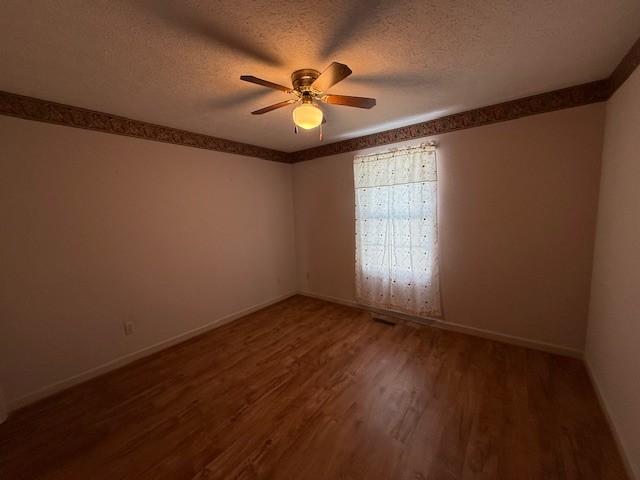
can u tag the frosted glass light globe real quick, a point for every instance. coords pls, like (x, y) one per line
(307, 116)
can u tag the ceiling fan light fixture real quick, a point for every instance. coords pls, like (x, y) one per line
(307, 116)
(309, 87)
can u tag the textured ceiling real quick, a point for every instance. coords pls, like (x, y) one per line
(178, 63)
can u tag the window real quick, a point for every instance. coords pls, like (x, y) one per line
(396, 231)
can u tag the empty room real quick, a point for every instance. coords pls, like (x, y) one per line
(352, 239)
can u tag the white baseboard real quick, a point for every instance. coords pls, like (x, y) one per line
(56, 387)
(477, 332)
(124, 360)
(524, 342)
(607, 413)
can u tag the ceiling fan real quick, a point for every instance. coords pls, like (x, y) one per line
(309, 89)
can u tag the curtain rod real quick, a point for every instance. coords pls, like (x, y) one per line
(430, 143)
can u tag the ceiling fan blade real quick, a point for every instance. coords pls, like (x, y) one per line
(274, 106)
(360, 102)
(334, 73)
(265, 83)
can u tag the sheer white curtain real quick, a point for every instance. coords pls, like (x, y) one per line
(397, 232)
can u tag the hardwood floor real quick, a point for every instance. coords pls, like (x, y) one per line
(307, 389)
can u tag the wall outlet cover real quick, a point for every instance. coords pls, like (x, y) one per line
(128, 328)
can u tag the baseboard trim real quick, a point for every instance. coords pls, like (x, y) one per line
(612, 426)
(69, 382)
(456, 327)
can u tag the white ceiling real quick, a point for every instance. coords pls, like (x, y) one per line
(178, 63)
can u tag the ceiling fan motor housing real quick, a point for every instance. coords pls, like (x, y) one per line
(302, 79)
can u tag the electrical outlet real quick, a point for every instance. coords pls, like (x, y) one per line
(128, 328)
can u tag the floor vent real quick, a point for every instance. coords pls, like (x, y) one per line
(384, 319)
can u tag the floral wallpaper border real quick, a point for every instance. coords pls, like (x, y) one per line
(625, 68)
(45, 111)
(545, 102)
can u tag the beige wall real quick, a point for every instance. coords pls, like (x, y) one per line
(99, 229)
(517, 207)
(613, 340)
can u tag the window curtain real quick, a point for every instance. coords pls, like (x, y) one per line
(397, 231)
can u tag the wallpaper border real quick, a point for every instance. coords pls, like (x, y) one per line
(625, 68)
(545, 102)
(31, 108)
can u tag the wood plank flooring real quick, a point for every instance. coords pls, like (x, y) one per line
(307, 389)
